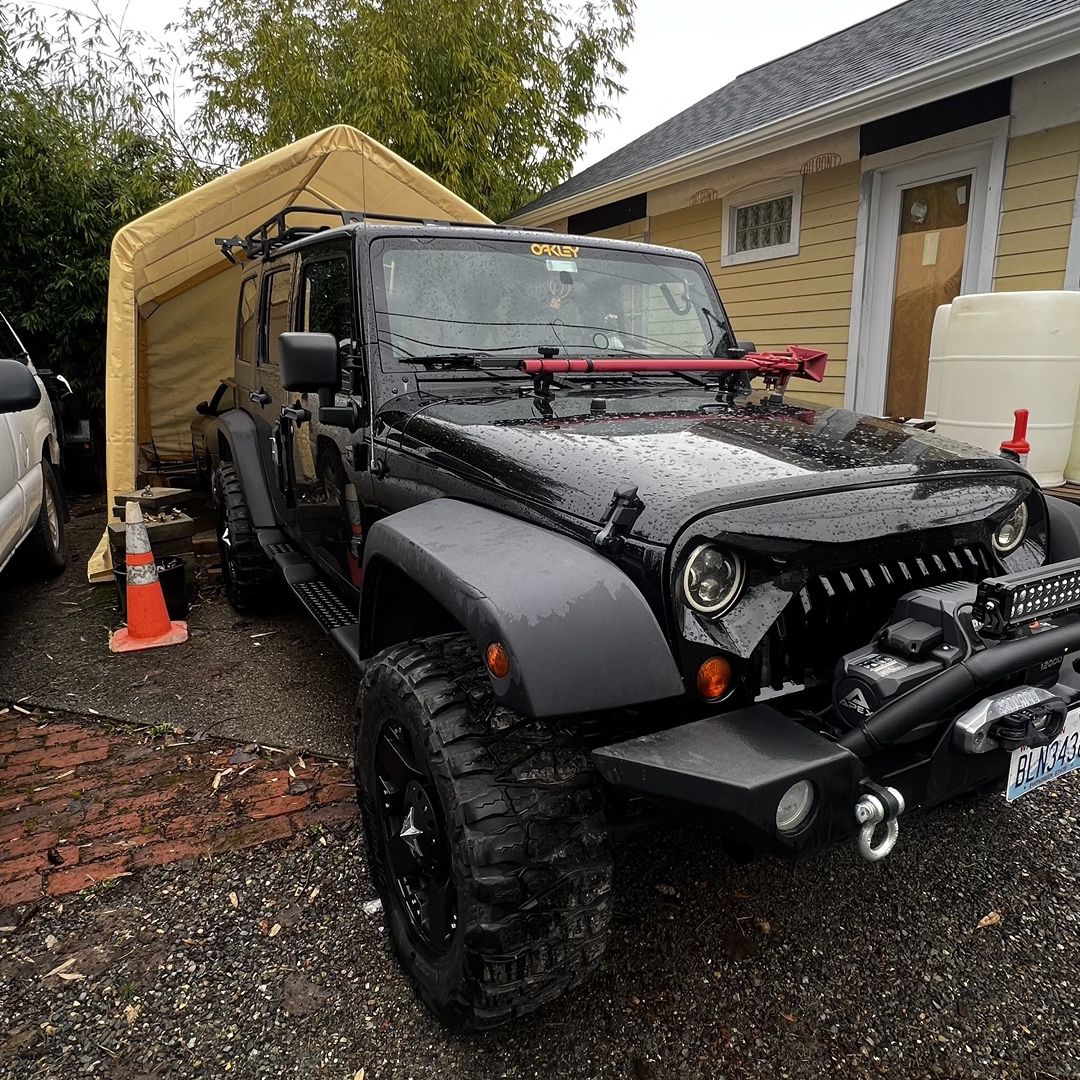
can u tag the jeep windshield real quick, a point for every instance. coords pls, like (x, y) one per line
(444, 301)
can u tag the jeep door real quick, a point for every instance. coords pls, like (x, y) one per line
(327, 510)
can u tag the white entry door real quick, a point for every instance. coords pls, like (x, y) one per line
(924, 248)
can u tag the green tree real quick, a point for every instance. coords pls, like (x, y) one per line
(87, 143)
(493, 98)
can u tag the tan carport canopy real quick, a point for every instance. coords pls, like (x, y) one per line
(173, 295)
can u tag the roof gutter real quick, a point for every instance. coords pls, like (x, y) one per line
(1034, 46)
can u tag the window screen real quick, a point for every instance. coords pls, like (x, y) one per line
(764, 224)
(245, 331)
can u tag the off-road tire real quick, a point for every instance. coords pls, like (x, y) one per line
(529, 844)
(46, 546)
(251, 584)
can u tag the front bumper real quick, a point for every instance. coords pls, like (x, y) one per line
(733, 769)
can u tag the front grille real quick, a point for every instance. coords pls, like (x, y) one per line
(841, 609)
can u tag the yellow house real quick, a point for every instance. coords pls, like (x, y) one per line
(841, 193)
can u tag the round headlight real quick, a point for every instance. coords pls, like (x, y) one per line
(1011, 532)
(795, 806)
(712, 580)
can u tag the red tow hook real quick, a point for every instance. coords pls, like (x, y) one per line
(1018, 447)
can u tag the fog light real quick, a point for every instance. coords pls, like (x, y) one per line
(714, 678)
(795, 806)
(497, 660)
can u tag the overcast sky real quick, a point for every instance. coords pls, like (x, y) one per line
(682, 49)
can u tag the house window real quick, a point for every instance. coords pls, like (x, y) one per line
(762, 223)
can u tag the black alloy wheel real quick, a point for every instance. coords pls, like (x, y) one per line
(417, 847)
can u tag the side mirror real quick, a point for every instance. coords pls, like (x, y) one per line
(309, 362)
(19, 389)
(747, 346)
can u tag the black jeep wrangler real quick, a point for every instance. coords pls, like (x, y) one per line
(582, 568)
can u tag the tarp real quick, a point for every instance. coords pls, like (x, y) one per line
(173, 295)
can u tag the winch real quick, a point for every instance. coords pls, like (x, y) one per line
(975, 628)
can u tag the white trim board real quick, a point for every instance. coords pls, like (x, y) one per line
(1072, 261)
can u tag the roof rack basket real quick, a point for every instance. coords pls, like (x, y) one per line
(272, 234)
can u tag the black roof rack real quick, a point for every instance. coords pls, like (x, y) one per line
(273, 233)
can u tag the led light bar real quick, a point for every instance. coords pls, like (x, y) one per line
(1014, 600)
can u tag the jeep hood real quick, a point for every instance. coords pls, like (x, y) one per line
(686, 454)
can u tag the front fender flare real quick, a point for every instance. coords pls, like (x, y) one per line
(240, 433)
(580, 635)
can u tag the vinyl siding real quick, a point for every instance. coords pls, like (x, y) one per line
(1037, 209)
(803, 299)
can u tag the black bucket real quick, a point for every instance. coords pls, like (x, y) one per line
(173, 586)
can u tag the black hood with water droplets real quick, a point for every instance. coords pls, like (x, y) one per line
(688, 455)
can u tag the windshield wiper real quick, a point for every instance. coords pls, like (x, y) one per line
(725, 336)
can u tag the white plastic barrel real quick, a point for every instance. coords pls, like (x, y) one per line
(933, 372)
(1072, 466)
(1007, 351)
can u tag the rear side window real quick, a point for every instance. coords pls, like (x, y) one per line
(245, 322)
(277, 288)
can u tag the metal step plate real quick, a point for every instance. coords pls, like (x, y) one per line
(328, 609)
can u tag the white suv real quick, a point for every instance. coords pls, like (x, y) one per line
(31, 502)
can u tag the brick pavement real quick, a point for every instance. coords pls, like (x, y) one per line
(82, 802)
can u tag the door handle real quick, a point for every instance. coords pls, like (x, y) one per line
(259, 397)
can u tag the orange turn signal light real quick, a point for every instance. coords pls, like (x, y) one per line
(714, 678)
(497, 660)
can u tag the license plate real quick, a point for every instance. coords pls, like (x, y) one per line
(1032, 767)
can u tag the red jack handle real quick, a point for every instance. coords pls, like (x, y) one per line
(1018, 445)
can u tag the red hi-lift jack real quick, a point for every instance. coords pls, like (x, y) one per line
(775, 367)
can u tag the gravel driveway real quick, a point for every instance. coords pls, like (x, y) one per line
(715, 970)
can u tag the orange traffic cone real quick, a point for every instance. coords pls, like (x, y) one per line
(148, 622)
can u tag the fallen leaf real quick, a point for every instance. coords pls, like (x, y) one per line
(8, 929)
(314, 893)
(234, 900)
(300, 762)
(372, 907)
(131, 1013)
(788, 1018)
(359, 1074)
(51, 941)
(990, 920)
(70, 976)
(60, 967)
(292, 772)
(275, 929)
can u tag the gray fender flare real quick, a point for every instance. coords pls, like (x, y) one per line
(241, 434)
(580, 635)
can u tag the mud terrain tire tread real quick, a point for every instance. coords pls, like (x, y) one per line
(530, 844)
(249, 576)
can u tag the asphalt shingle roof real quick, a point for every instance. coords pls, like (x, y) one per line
(911, 35)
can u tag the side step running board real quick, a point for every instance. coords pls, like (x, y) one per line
(337, 620)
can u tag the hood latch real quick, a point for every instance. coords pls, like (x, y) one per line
(625, 508)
